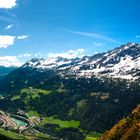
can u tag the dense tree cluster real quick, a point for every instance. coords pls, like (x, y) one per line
(98, 103)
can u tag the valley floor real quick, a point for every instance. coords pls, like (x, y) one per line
(22, 127)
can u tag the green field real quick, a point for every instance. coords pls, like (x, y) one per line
(62, 124)
(16, 136)
(13, 135)
(32, 113)
(35, 92)
(93, 136)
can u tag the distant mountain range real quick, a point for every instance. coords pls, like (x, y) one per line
(122, 62)
(6, 70)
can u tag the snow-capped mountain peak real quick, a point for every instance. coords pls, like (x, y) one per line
(49, 63)
(121, 62)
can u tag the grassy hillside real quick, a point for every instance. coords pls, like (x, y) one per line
(126, 129)
(94, 104)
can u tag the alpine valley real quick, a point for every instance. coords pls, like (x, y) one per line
(73, 99)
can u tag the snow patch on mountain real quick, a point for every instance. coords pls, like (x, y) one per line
(122, 62)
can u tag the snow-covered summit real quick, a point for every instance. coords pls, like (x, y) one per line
(49, 63)
(121, 62)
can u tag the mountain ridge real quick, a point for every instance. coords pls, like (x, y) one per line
(122, 62)
(5, 70)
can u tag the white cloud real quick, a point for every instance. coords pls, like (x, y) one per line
(137, 36)
(96, 52)
(9, 61)
(22, 37)
(6, 41)
(69, 54)
(39, 54)
(9, 26)
(25, 55)
(7, 4)
(97, 44)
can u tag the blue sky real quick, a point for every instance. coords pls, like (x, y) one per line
(69, 28)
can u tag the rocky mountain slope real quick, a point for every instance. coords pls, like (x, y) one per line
(122, 62)
(126, 129)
